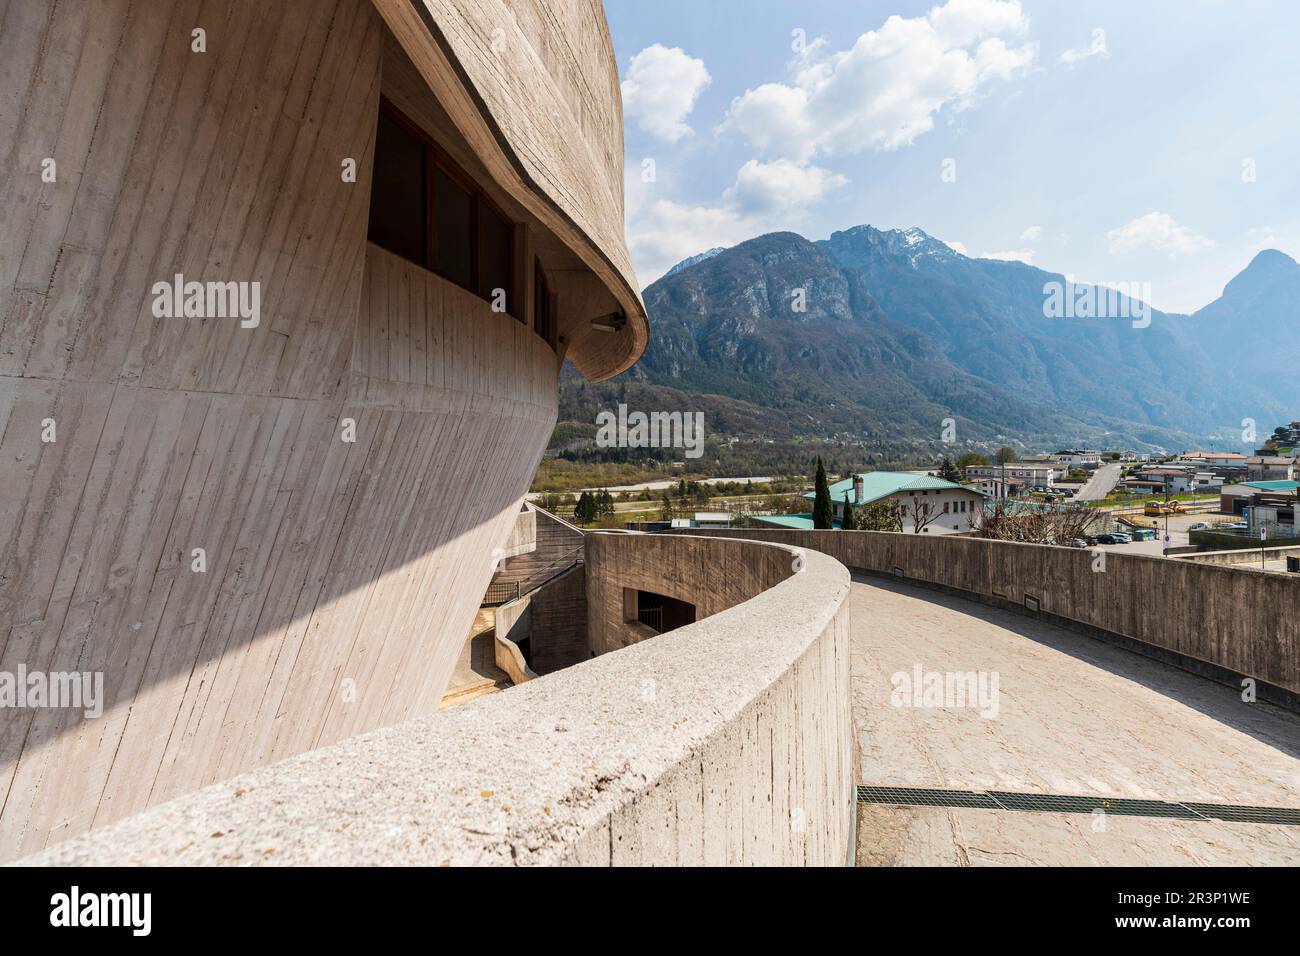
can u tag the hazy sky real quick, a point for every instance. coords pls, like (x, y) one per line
(1154, 141)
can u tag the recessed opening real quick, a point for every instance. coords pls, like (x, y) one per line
(397, 199)
(659, 612)
(426, 208)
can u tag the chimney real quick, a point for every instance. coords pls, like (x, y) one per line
(857, 489)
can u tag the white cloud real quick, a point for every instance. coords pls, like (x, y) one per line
(1013, 255)
(1032, 234)
(660, 89)
(780, 186)
(765, 197)
(665, 232)
(1097, 47)
(886, 89)
(1157, 231)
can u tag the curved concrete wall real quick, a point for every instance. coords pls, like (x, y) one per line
(346, 467)
(533, 86)
(729, 741)
(712, 579)
(1241, 621)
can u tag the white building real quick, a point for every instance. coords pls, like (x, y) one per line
(940, 506)
(998, 487)
(1059, 470)
(1079, 458)
(1211, 459)
(1035, 476)
(712, 519)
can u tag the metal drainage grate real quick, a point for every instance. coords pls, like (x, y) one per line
(916, 797)
(1062, 803)
(1056, 803)
(1231, 813)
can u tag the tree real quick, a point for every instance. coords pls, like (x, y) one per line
(948, 471)
(1006, 454)
(822, 514)
(666, 508)
(584, 512)
(880, 516)
(849, 522)
(971, 458)
(1062, 524)
(922, 511)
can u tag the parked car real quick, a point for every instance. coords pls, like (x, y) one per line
(1199, 526)
(1234, 526)
(1113, 538)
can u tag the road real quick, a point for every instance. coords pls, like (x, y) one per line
(1073, 717)
(660, 485)
(1100, 484)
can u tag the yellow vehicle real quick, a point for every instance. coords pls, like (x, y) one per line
(1155, 509)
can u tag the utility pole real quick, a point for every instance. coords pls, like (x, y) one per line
(1165, 549)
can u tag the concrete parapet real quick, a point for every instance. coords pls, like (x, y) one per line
(1216, 620)
(728, 741)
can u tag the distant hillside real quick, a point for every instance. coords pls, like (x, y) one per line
(1251, 334)
(987, 316)
(898, 332)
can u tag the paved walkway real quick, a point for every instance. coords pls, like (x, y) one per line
(476, 672)
(1074, 716)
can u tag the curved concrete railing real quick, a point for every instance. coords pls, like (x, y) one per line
(1221, 621)
(726, 741)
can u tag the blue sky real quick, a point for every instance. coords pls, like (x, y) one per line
(1115, 141)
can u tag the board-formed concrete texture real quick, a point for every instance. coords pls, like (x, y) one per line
(270, 538)
(728, 741)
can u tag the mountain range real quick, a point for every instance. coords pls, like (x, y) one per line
(880, 337)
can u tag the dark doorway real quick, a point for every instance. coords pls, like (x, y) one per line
(662, 613)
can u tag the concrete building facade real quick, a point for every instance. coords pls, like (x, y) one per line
(266, 417)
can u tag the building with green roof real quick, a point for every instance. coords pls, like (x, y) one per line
(940, 505)
(1273, 487)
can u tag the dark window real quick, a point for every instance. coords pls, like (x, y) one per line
(543, 320)
(398, 203)
(453, 234)
(497, 242)
(424, 208)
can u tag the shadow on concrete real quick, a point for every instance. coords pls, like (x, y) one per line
(1274, 726)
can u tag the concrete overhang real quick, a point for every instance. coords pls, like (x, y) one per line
(565, 170)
